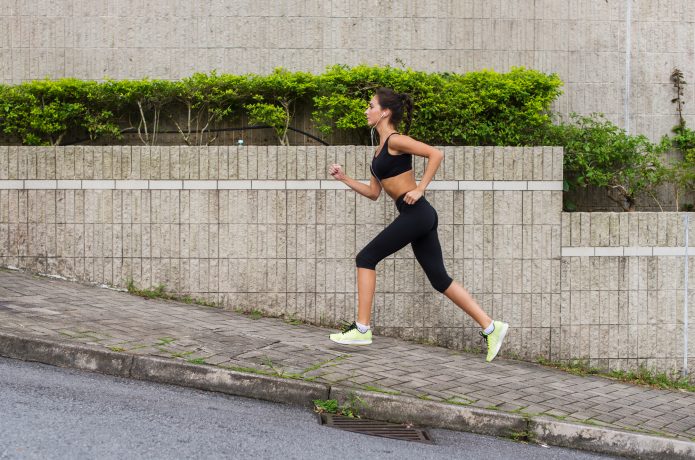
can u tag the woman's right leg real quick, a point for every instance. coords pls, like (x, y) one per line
(366, 285)
(403, 230)
(394, 237)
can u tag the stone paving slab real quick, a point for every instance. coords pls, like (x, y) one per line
(77, 313)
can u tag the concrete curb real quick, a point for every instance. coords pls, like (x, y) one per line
(394, 408)
(161, 370)
(403, 409)
(608, 440)
(269, 388)
(61, 354)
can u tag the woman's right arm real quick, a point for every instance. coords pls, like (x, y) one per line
(371, 191)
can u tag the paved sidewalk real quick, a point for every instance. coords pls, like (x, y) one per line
(65, 311)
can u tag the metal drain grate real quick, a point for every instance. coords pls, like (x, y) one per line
(376, 428)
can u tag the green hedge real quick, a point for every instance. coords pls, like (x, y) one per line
(477, 108)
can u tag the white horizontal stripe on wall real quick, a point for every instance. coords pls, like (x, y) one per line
(314, 184)
(625, 251)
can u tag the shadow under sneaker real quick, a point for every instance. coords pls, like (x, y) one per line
(350, 335)
(494, 339)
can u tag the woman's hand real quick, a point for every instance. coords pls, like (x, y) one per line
(336, 171)
(413, 195)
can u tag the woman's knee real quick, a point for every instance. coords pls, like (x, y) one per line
(364, 260)
(441, 282)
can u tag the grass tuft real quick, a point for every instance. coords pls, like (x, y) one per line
(642, 376)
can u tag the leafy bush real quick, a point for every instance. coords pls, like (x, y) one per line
(599, 153)
(44, 112)
(681, 174)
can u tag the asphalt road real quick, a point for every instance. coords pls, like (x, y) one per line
(48, 412)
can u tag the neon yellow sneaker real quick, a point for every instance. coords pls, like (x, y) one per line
(350, 335)
(494, 339)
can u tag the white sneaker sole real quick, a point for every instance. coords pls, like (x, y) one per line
(505, 327)
(352, 342)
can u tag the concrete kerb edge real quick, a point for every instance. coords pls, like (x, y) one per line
(60, 354)
(407, 409)
(608, 441)
(161, 370)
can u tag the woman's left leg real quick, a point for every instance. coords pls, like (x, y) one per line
(428, 253)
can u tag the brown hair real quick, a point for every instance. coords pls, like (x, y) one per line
(400, 104)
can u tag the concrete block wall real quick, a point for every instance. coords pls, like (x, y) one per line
(268, 228)
(623, 290)
(614, 56)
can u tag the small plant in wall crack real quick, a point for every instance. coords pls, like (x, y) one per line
(681, 173)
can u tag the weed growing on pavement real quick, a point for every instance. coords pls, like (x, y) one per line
(523, 413)
(117, 349)
(354, 405)
(594, 422)
(380, 390)
(181, 354)
(558, 417)
(642, 376)
(319, 365)
(458, 400)
(197, 361)
(160, 292)
(292, 320)
(253, 313)
(522, 436)
(660, 380)
(575, 367)
(326, 406)
(513, 355)
(350, 408)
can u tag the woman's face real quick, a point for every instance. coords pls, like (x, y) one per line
(374, 112)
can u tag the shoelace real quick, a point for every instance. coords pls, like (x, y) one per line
(346, 327)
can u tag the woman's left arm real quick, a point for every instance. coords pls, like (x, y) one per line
(434, 158)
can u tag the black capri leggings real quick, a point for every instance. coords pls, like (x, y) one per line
(415, 224)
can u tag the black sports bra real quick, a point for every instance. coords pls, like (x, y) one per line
(386, 165)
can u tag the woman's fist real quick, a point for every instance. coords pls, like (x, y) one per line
(336, 171)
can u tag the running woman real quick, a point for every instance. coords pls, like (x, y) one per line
(392, 170)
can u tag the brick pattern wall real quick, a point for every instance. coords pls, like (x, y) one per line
(623, 279)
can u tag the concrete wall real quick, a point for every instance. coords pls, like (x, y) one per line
(267, 228)
(615, 56)
(623, 289)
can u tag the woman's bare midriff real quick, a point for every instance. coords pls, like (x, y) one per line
(398, 185)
